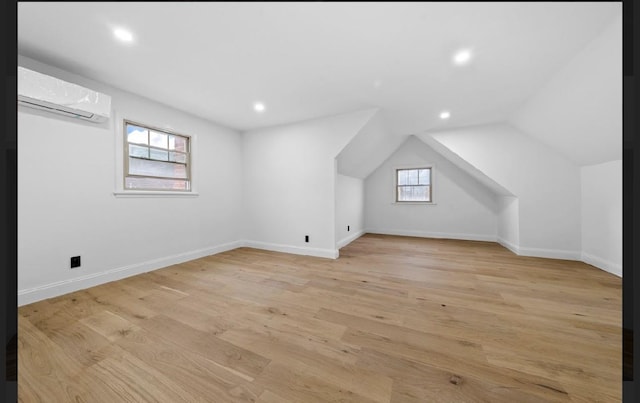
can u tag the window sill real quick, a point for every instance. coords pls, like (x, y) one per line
(141, 193)
(414, 202)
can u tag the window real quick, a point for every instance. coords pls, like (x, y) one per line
(413, 185)
(156, 159)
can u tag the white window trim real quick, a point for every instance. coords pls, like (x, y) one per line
(152, 193)
(394, 180)
(121, 192)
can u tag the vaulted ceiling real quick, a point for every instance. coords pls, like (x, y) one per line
(307, 60)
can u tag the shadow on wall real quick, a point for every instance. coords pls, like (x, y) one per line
(471, 186)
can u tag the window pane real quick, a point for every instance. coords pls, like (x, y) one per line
(419, 193)
(178, 157)
(158, 139)
(137, 134)
(159, 155)
(413, 176)
(154, 183)
(402, 193)
(178, 143)
(403, 177)
(157, 160)
(138, 151)
(424, 177)
(157, 168)
(414, 193)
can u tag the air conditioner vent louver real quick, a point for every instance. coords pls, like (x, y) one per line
(40, 91)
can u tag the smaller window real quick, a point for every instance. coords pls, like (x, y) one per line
(413, 185)
(156, 159)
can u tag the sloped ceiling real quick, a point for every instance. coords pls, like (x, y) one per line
(309, 60)
(368, 149)
(463, 164)
(577, 114)
(579, 111)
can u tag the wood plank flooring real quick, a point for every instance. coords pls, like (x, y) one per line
(394, 319)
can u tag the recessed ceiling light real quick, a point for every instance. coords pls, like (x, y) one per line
(123, 35)
(462, 57)
(445, 115)
(258, 107)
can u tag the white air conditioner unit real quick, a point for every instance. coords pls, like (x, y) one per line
(47, 93)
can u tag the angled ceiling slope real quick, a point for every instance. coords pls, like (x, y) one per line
(369, 148)
(463, 164)
(579, 111)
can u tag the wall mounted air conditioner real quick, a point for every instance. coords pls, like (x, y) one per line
(40, 91)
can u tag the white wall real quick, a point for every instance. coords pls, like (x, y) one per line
(349, 209)
(289, 182)
(579, 110)
(463, 207)
(546, 184)
(66, 176)
(602, 216)
(509, 222)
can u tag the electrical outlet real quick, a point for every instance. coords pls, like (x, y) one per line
(75, 261)
(306, 238)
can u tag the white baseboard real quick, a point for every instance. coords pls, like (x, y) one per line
(29, 295)
(608, 266)
(511, 246)
(296, 250)
(550, 253)
(424, 234)
(346, 241)
(34, 294)
(538, 252)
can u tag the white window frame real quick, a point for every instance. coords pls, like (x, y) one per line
(394, 184)
(120, 146)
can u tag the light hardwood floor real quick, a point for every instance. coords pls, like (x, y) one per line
(394, 319)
